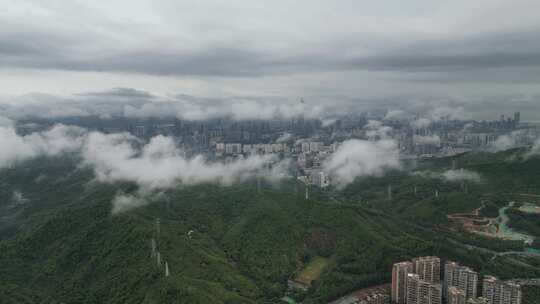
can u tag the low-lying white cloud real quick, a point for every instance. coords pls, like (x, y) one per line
(514, 139)
(189, 108)
(535, 149)
(132, 103)
(427, 140)
(421, 123)
(447, 113)
(451, 175)
(327, 122)
(18, 198)
(55, 141)
(439, 114)
(356, 158)
(376, 130)
(122, 157)
(160, 164)
(461, 175)
(285, 137)
(502, 143)
(397, 115)
(124, 202)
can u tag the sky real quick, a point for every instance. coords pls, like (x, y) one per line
(208, 57)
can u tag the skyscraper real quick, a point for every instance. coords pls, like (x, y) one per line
(462, 277)
(428, 268)
(422, 292)
(455, 296)
(500, 292)
(399, 281)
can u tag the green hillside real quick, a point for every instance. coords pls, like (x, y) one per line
(61, 244)
(504, 176)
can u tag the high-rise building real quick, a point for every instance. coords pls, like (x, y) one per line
(422, 292)
(462, 277)
(400, 271)
(500, 292)
(477, 301)
(455, 296)
(413, 286)
(319, 179)
(434, 294)
(428, 268)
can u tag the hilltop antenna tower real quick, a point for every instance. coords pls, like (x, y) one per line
(307, 191)
(153, 246)
(295, 182)
(158, 260)
(167, 269)
(158, 229)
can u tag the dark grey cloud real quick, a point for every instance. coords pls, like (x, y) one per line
(119, 92)
(451, 62)
(466, 52)
(209, 62)
(242, 62)
(355, 53)
(509, 49)
(29, 45)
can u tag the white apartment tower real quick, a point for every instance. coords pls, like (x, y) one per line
(500, 292)
(400, 271)
(422, 292)
(462, 277)
(428, 268)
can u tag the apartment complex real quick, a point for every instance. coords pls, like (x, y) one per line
(461, 277)
(400, 271)
(419, 282)
(501, 292)
(428, 268)
(422, 292)
(480, 300)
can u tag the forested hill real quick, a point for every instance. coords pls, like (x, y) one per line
(60, 242)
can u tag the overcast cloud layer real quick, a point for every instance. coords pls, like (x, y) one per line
(473, 53)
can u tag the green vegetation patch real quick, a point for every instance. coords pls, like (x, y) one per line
(526, 222)
(313, 270)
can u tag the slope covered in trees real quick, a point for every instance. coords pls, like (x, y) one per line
(60, 242)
